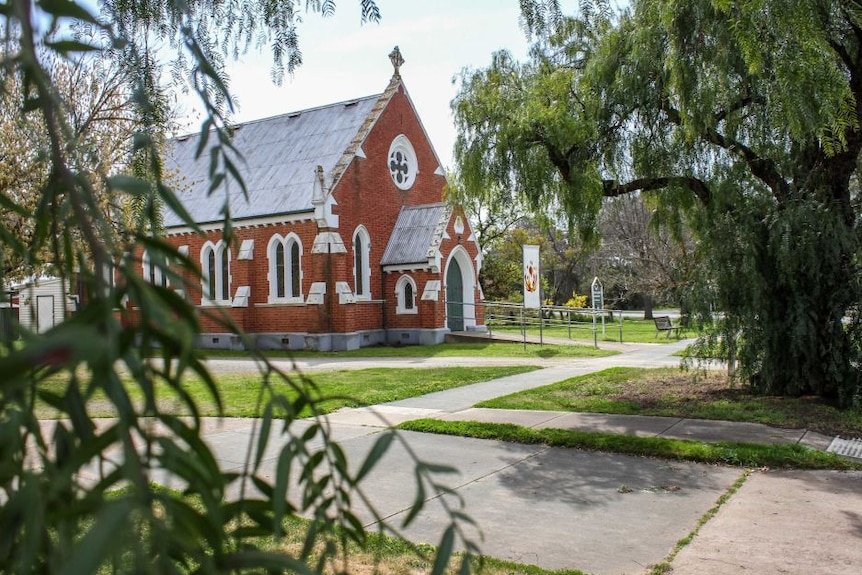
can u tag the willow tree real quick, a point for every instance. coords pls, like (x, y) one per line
(82, 497)
(741, 116)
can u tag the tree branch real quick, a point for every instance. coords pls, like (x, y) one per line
(762, 168)
(613, 189)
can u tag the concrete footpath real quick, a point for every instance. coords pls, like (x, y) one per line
(599, 513)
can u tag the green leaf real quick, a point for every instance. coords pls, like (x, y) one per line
(418, 500)
(256, 559)
(280, 505)
(444, 551)
(67, 9)
(263, 435)
(66, 46)
(99, 541)
(377, 451)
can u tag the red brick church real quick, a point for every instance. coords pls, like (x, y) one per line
(344, 241)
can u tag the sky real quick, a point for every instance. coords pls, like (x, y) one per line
(343, 60)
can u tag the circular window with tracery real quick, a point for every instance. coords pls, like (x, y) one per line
(402, 162)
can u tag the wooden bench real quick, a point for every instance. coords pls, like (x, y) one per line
(664, 323)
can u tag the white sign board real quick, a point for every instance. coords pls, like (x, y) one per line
(598, 294)
(532, 291)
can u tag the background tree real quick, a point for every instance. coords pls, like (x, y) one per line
(645, 259)
(114, 518)
(95, 94)
(744, 114)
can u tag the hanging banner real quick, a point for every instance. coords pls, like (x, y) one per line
(532, 291)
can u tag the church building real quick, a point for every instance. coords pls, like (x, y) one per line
(344, 239)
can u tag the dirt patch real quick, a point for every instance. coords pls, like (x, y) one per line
(712, 396)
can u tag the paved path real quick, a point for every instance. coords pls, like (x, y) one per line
(600, 513)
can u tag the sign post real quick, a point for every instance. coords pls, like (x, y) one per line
(598, 293)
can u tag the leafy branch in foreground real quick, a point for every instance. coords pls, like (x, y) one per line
(80, 495)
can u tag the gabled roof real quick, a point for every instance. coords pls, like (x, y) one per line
(417, 235)
(280, 158)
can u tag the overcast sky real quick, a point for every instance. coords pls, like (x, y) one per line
(343, 60)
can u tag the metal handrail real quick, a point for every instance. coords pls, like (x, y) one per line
(502, 314)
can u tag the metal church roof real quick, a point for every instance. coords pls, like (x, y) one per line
(279, 160)
(417, 234)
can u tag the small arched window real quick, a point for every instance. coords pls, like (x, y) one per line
(405, 295)
(361, 263)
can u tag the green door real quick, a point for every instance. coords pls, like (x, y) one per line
(454, 297)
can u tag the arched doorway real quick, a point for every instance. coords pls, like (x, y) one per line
(460, 291)
(454, 297)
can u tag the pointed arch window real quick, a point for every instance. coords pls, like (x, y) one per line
(361, 263)
(215, 269)
(285, 269)
(405, 296)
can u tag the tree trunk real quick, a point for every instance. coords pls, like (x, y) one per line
(647, 306)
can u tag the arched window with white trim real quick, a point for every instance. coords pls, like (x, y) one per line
(215, 272)
(405, 296)
(285, 268)
(153, 273)
(361, 263)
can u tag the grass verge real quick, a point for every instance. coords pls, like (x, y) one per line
(676, 393)
(483, 349)
(337, 389)
(789, 456)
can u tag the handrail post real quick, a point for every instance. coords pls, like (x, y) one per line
(621, 326)
(541, 325)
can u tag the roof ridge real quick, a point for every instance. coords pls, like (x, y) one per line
(286, 114)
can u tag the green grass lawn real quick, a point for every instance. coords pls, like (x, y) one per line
(723, 452)
(481, 349)
(675, 393)
(344, 388)
(634, 331)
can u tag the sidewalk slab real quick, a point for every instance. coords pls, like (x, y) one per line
(379, 415)
(713, 430)
(816, 440)
(789, 522)
(637, 425)
(559, 508)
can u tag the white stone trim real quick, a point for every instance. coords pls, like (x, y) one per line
(246, 250)
(240, 299)
(345, 294)
(316, 293)
(328, 243)
(431, 291)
